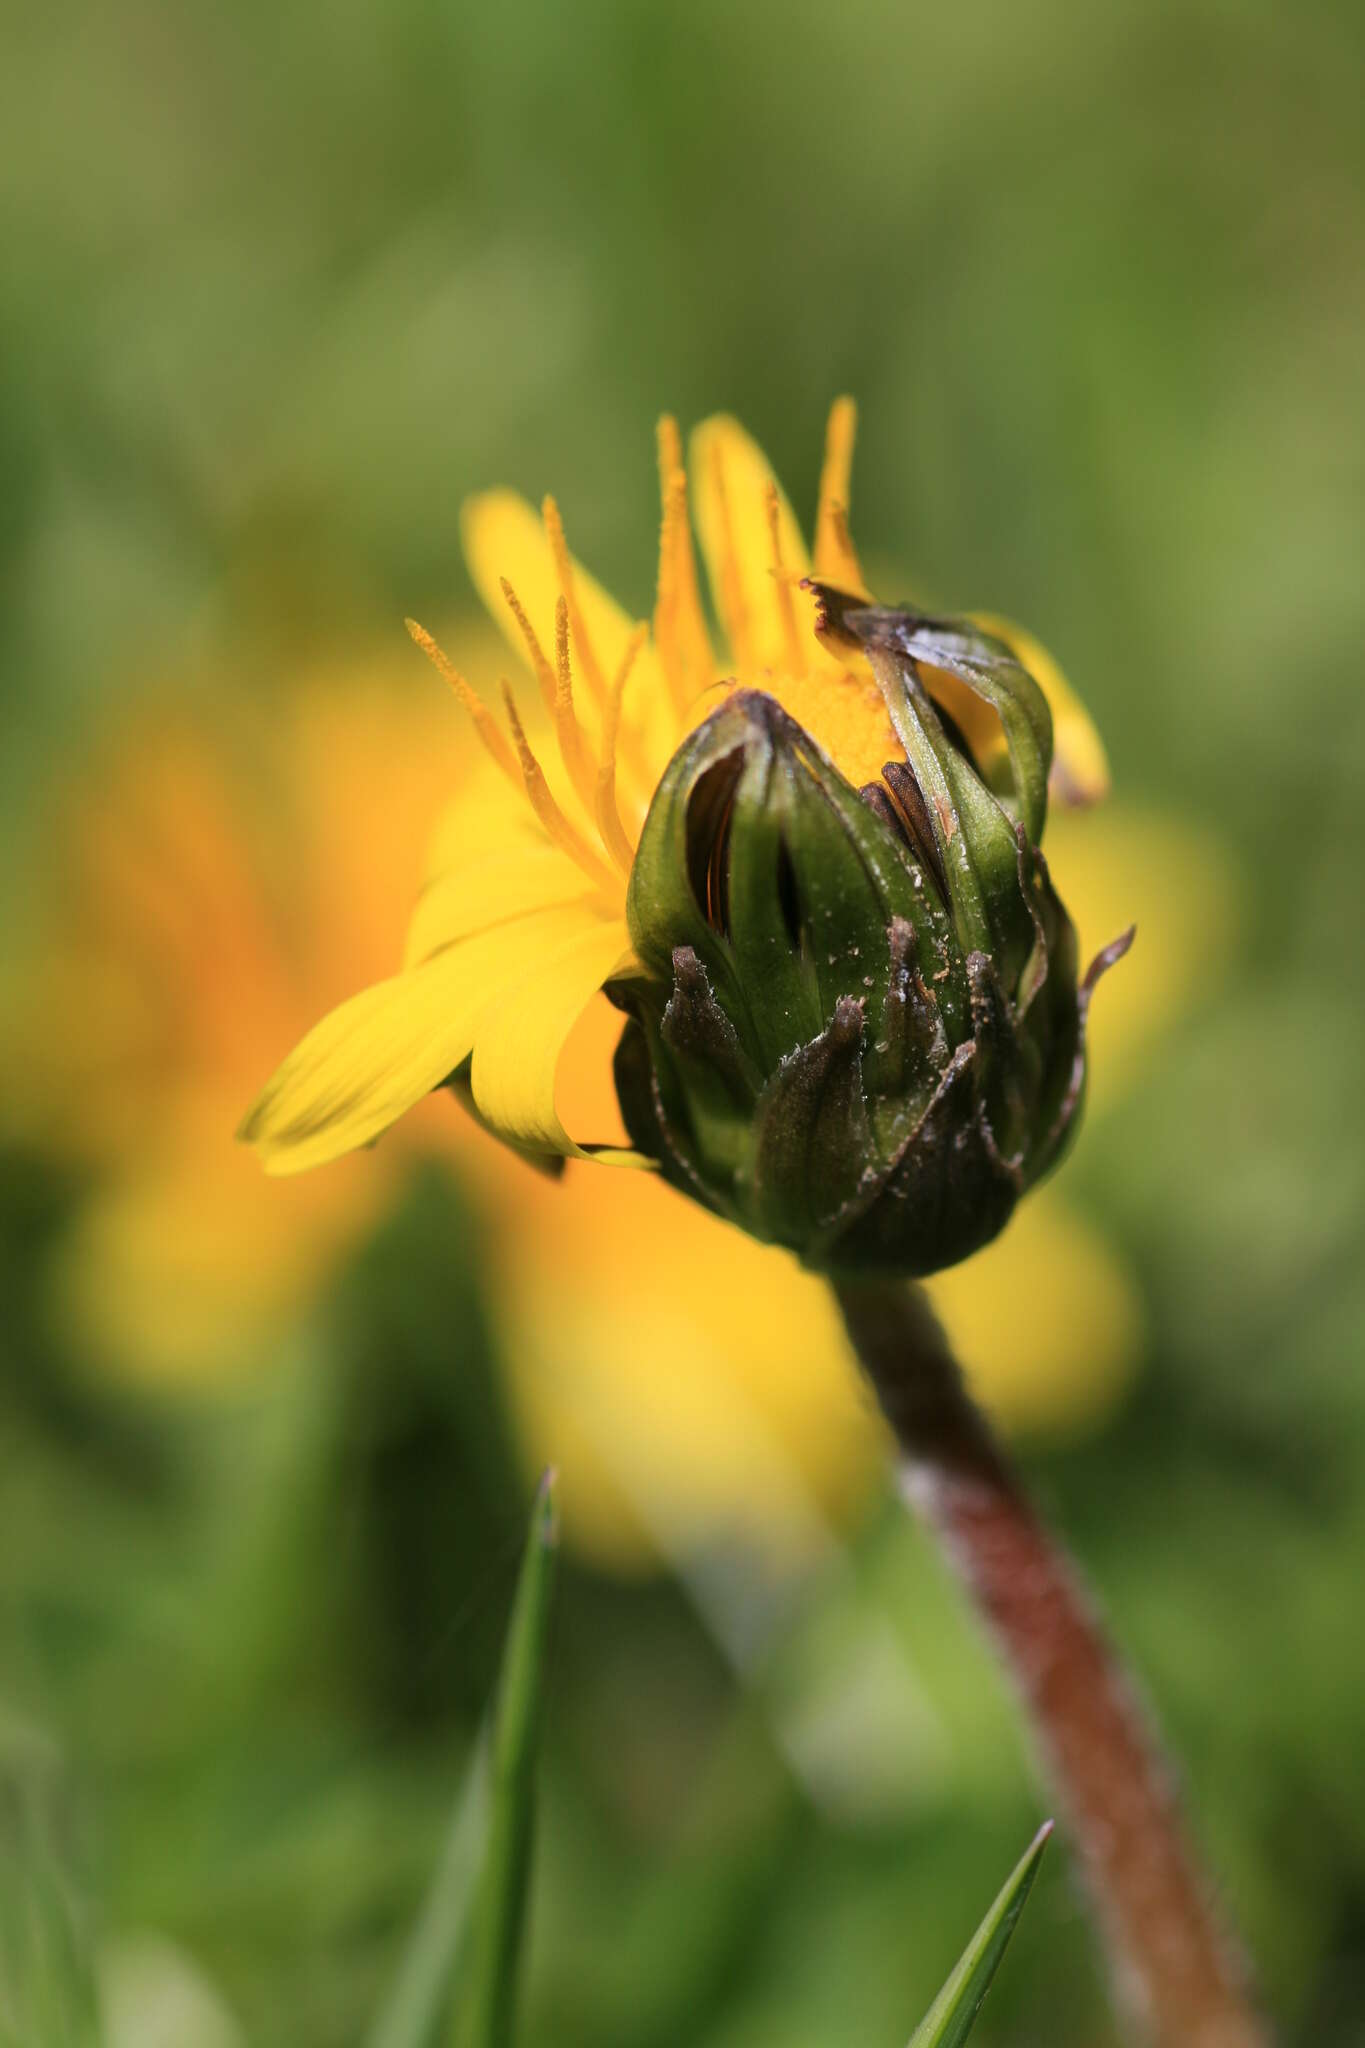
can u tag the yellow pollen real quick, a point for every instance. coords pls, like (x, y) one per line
(786, 604)
(670, 447)
(573, 749)
(559, 548)
(543, 672)
(845, 714)
(614, 836)
(565, 835)
(485, 725)
(835, 557)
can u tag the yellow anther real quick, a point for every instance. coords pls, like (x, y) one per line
(670, 448)
(573, 749)
(564, 835)
(559, 548)
(485, 725)
(544, 674)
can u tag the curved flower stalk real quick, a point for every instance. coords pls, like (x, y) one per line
(1178, 1974)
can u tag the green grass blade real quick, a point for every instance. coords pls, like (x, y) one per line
(954, 2012)
(463, 1951)
(47, 1976)
(488, 1979)
(413, 2015)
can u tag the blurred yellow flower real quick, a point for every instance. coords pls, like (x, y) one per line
(169, 954)
(218, 879)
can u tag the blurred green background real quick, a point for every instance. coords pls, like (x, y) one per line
(280, 285)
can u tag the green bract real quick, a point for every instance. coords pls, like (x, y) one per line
(858, 1031)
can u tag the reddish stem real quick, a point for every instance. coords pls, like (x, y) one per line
(1177, 1972)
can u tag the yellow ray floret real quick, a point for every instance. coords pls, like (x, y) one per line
(783, 581)
(523, 1032)
(680, 630)
(835, 559)
(495, 888)
(369, 1061)
(732, 488)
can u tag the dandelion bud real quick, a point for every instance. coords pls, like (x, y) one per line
(858, 1030)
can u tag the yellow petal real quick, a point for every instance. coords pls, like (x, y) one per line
(505, 537)
(489, 814)
(1080, 766)
(482, 893)
(680, 630)
(585, 1087)
(521, 1037)
(359, 1069)
(731, 481)
(835, 559)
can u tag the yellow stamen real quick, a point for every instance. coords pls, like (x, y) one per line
(559, 548)
(572, 747)
(731, 581)
(786, 604)
(669, 442)
(564, 835)
(544, 673)
(485, 725)
(850, 573)
(614, 836)
(835, 558)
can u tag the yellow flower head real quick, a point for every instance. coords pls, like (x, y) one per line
(523, 919)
